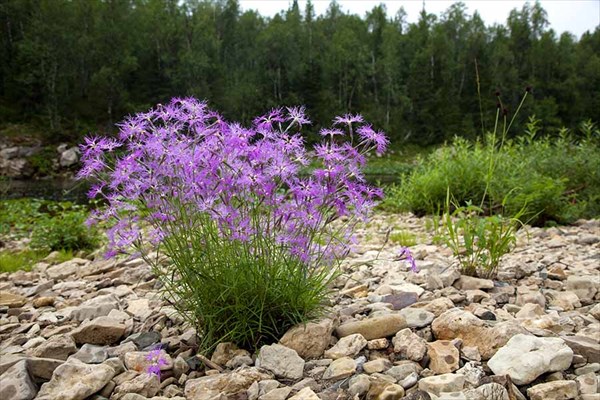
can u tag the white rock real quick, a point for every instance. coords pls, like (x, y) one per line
(349, 346)
(282, 361)
(525, 357)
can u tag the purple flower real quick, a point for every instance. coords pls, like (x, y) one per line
(155, 359)
(297, 116)
(348, 119)
(408, 257)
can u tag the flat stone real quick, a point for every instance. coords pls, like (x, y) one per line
(44, 301)
(400, 300)
(417, 318)
(101, 331)
(588, 383)
(57, 347)
(309, 340)
(76, 381)
(340, 369)
(91, 354)
(375, 327)
(277, 394)
(584, 346)
(555, 390)
(377, 366)
(96, 307)
(348, 346)
(140, 308)
(442, 383)
(232, 383)
(305, 394)
(474, 332)
(492, 391)
(145, 385)
(443, 357)
(471, 283)
(409, 345)
(526, 357)
(11, 300)
(585, 287)
(17, 383)
(282, 361)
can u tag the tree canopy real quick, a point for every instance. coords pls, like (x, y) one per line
(72, 66)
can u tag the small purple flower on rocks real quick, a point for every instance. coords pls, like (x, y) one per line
(156, 360)
(407, 256)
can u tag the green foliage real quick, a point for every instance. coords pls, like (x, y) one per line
(246, 293)
(479, 242)
(552, 179)
(11, 261)
(42, 162)
(403, 238)
(50, 225)
(65, 230)
(415, 80)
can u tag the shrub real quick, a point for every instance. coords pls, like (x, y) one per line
(64, 229)
(251, 243)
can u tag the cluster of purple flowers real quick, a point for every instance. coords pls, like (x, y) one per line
(180, 160)
(155, 360)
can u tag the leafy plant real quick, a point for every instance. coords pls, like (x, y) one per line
(251, 238)
(403, 238)
(63, 228)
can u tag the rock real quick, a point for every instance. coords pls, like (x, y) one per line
(75, 381)
(282, 361)
(471, 283)
(584, 346)
(43, 368)
(97, 307)
(530, 310)
(416, 318)
(585, 287)
(417, 395)
(231, 383)
(491, 391)
(379, 365)
(588, 383)
(277, 394)
(456, 323)
(69, 157)
(44, 301)
(442, 383)
(140, 308)
(525, 357)
(443, 357)
(409, 345)
(17, 383)
(403, 370)
(349, 346)
(57, 347)
(143, 340)
(390, 391)
(63, 270)
(556, 390)
(145, 385)
(378, 344)
(340, 369)
(305, 394)
(375, 327)
(102, 331)
(309, 340)
(91, 354)
(438, 306)
(400, 300)
(224, 352)
(359, 385)
(565, 300)
(473, 373)
(11, 300)
(140, 360)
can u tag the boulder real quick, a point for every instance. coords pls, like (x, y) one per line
(309, 340)
(76, 381)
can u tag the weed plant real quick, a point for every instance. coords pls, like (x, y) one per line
(252, 237)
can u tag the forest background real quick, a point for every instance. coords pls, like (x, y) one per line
(71, 67)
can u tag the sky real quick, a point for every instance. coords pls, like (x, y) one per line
(575, 16)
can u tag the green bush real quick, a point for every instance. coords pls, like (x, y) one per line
(66, 230)
(551, 179)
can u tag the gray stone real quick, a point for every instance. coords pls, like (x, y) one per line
(101, 331)
(417, 318)
(97, 307)
(57, 347)
(340, 369)
(16, 383)
(282, 361)
(584, 346)
(91, 354)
